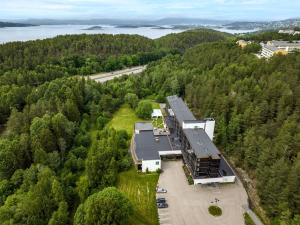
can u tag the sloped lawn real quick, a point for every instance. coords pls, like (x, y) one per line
(140, 189)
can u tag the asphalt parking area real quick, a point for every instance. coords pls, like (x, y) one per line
(188, 204)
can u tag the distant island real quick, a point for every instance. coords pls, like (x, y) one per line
(135, 26)
(127, 26)
(8, 24)
(94, 28)
(161, 28)
(245, 25)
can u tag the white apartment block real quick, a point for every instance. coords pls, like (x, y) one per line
(279, 47)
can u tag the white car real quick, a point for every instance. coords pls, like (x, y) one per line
(161, 190)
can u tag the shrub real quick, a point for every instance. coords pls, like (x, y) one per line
(248, 220)
(215, 210)
(159, 171)
(160, 98)
(188, 175)
(125, 164)
(190, 180)
(132, 100)
(144, 110)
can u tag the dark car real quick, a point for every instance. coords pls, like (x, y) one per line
(162, 205)
(160, 200)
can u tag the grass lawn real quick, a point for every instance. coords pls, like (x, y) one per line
(124, 119)
(140, 189)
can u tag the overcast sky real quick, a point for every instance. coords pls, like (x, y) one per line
(150, 9)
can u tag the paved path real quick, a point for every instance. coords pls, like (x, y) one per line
(103, 77)
(253, 216)
(188, 204)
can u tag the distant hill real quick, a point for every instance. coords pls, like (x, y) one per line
(190, 38)
(82, 22)
(190, 21)
(164, 21)
(8, 24)
(94, 28)
(273, 25)
(173, 21)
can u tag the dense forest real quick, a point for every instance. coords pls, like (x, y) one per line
(265, 36)
(24, 65)
(51, 172)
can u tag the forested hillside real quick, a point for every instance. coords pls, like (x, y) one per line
(188, 39)
(257, 110)
(57, 157)
(29, 64)
(270, 35)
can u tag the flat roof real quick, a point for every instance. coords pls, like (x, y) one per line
(156, 113)
(180, 109)
(147, 145)
(285, 43)
(270, 47)
(143, 126)
(201, 144)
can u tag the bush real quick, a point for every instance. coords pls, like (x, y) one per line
(159, 171)
(101, 122)
(188, 175)
(252, 48)
(215, 210)
(248, 220)
(132, 100)
(144, 109)
(190, 180)
(160, 98)
(125, 164)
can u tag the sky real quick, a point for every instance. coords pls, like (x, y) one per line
(150, 9)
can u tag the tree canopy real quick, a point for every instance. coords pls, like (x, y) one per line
(58, 156)
(106, 207)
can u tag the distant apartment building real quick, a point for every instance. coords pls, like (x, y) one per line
(286, 32)
(290, 32)
(279, 47)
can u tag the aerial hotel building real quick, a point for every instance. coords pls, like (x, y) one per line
(183, 136)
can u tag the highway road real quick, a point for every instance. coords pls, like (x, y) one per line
(103, 77)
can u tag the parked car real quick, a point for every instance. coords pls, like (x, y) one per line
(162, 205)
(161, 190)
(160, 200)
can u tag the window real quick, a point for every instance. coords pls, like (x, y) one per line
(157, 163)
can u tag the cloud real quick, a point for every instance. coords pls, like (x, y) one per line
(214, 9)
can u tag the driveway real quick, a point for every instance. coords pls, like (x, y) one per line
(188, 204)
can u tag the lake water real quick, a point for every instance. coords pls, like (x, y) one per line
(11, 34)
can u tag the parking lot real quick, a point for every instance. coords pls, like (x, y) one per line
(188, 204)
